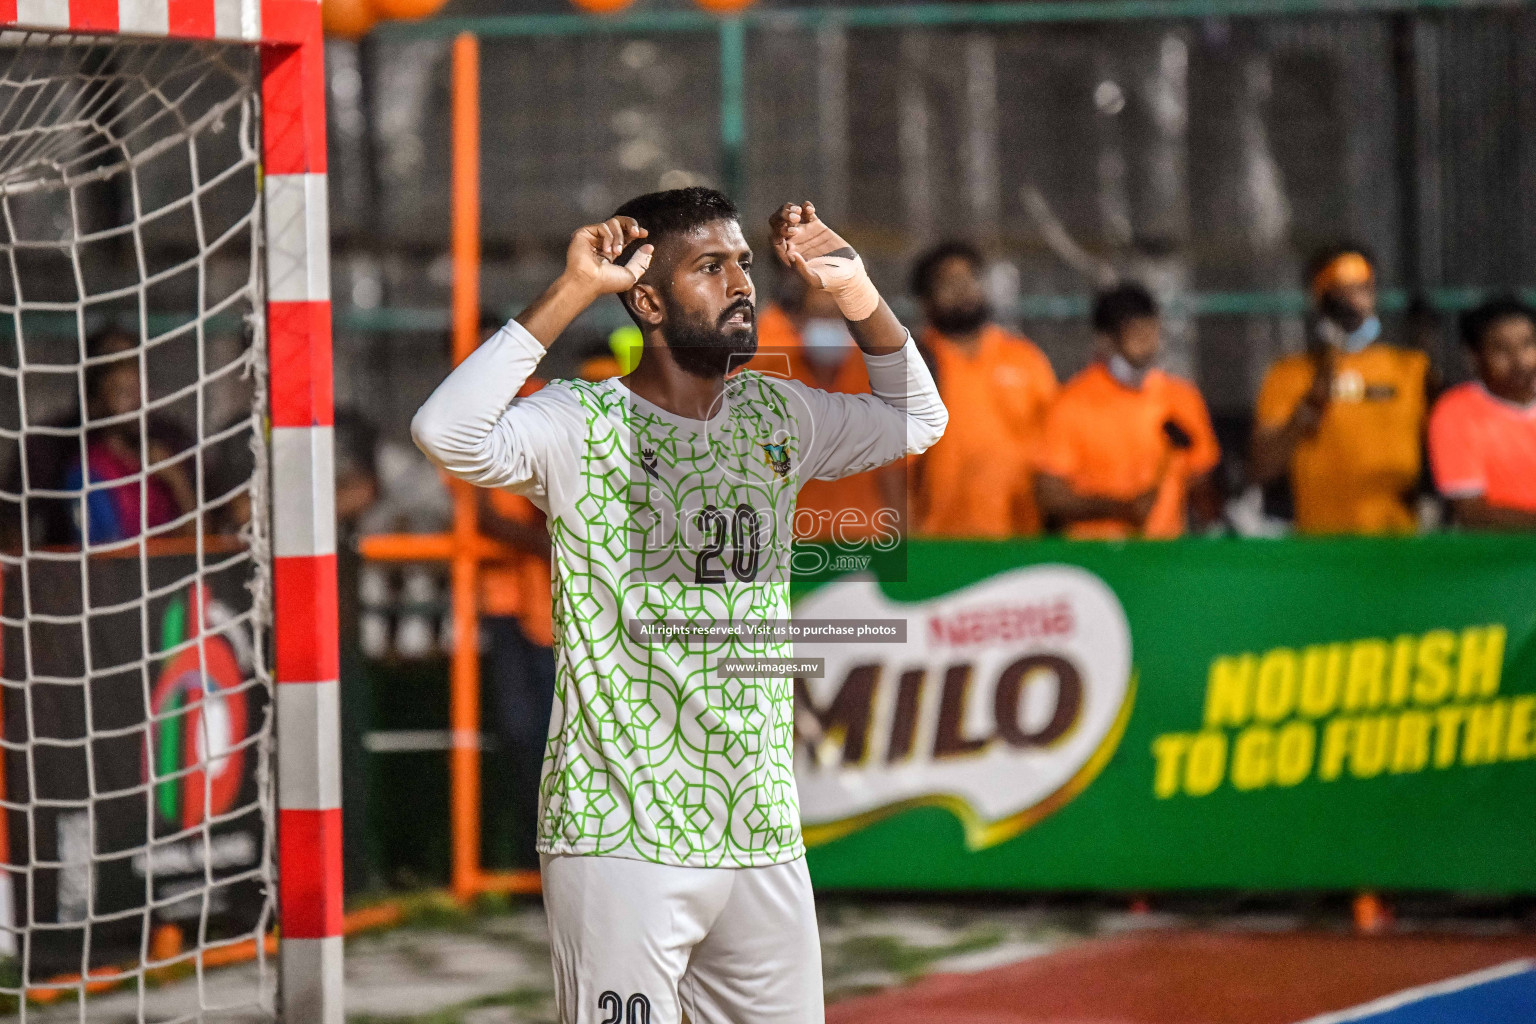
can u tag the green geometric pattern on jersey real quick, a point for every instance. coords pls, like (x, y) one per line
(651, 754)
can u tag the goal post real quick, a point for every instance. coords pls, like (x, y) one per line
(251, 616)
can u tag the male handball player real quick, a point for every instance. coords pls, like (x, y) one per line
(673, 868)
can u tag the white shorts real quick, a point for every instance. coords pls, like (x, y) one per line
(641, 943)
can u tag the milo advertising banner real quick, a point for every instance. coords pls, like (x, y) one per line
(1305, 714)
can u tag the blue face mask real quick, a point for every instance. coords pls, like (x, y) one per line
(1121, 369)
(1368, 331)
(825, 341)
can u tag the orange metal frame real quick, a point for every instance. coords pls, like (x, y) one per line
(463, 548)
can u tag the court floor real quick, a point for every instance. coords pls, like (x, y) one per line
(965, 962)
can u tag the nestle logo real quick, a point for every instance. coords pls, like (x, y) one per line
(1003, 624)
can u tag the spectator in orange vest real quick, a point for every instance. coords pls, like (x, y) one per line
(1346, 418)
(1482, 434)
(803, 336)
(977, 481)
(1128, 448)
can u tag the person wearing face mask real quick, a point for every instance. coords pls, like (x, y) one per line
(1345, 419)
(1482, 434)
(978, 480)
(804, 336)
(1128, 448)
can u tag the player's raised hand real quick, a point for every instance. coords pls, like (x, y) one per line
(799, 237)
(591, 269)
(823, 258)
(592, 257)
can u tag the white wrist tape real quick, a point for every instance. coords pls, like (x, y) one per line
(849, 283)
(639, 262)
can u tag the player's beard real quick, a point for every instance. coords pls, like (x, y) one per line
(709, 349)
(960, 319)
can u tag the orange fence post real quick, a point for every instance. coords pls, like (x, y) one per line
(463, 548)
(464, 671)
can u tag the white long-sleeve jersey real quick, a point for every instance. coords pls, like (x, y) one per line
(658, 518)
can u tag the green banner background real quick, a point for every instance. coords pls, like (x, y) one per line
(1465, 828)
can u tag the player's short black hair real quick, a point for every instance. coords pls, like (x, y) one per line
(1475, 323)
(673, 212)
(1118, 306)
(927, 266)
(677, 210)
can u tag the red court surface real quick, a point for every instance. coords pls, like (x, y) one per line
(1189, 977)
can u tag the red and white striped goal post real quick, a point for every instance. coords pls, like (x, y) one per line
(298, 310)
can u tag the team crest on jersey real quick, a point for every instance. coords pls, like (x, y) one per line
(648, 463)
(776, 455)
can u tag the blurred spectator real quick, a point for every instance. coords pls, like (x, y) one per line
(1346, 418)
(599, 366)
(227, 470)
(1128, 448)
(357, 468)
(519, 665)
(977, 481)
(357, 487)
(1482, 434)
(38, 462)
(603, 358)
(804, 336)
(114, 397)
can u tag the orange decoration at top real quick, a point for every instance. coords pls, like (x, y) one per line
(407, 10)
(347, 19)
(724, 6)
(353, 19)
(602, 6)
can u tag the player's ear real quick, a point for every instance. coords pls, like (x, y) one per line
(645, 302)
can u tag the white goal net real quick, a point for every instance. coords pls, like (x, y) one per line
(136, 875)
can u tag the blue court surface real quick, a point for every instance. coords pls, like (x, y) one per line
(1499, 995)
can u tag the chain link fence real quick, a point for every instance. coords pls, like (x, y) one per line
(1208, 156)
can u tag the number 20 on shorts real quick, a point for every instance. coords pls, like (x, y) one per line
(638, 1008)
